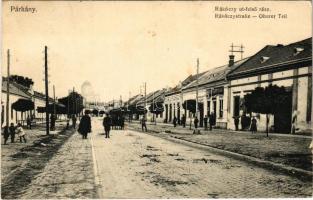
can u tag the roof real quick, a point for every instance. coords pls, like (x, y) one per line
(215, 74)
(185, 82)
(271, 57)
(157, 96)
(14, 89)
(39, 95)
(22, 91)
(134, 99)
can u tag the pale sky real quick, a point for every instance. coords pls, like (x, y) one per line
(117, 46)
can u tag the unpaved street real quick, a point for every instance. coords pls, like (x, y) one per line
(137, 165)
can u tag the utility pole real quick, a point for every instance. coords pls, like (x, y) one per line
(8, 91)
(153, 109)
(54, 106)
(68, 110)
(46, 90)
(73, 101)
(68, 104)
(239, 50)
(145, 85)
(197, 100)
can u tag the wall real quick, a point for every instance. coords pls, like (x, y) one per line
(285, 78)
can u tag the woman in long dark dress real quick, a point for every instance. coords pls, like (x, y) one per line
(85, 125)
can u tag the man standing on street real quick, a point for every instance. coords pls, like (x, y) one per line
(12, 132)
(6, 134)
(85, 125)
(107, 125)
(196, 121)
(143, 123)
(205, 121)
(211, 121)
(183, 120)
(74, 119)
(236, 121)
(175, 121)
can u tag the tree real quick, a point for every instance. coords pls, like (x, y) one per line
(25, 81)
(156, 108)
(266, 101)
(73, 103)
(190, 105)
(23, 105)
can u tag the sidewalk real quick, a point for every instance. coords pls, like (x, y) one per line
(68, 175)
(289, 150)
(20, 162)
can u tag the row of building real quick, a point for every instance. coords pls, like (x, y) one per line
(221, 90)
(20, 93)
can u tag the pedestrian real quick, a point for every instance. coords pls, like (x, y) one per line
(6, 134)
(183, 120)
(205, 121)
(211, 120)
(236, 122)
(29, 122)
(122, 122)
(52, 122)
(253, 127)
(196, 121)
(85, 125)
(294, 122)
(20, 132)
(107, 121)
(175, 121)
(12, 132)
(143, 124)
(74, 119)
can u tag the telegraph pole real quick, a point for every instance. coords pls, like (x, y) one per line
(68, 110)
(145, 85)
(153, 109)
(239, 50)
(47, 90)
(197, 100)
(8, 91)
(54, 106)
(73, 100)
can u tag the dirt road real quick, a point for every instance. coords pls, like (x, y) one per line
(135, 165)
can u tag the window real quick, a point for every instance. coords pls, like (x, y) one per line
(161, 115)
(221, 108)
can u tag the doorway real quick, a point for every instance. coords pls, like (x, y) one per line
(236, 106)
(282, 118)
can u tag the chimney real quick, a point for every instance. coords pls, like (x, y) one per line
(231, 60)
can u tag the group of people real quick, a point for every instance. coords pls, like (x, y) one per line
(11, 131)
(206, 120)
(253, 124)
(117, 122)
(85, 125)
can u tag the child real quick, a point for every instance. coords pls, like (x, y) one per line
(6, 134)
(20, 132)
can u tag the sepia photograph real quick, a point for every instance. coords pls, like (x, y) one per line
(156, 99)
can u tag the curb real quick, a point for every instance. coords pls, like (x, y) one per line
(298, 173)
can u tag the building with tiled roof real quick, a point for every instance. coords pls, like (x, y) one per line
(18, 91)
(282, 65)
(211, 86)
